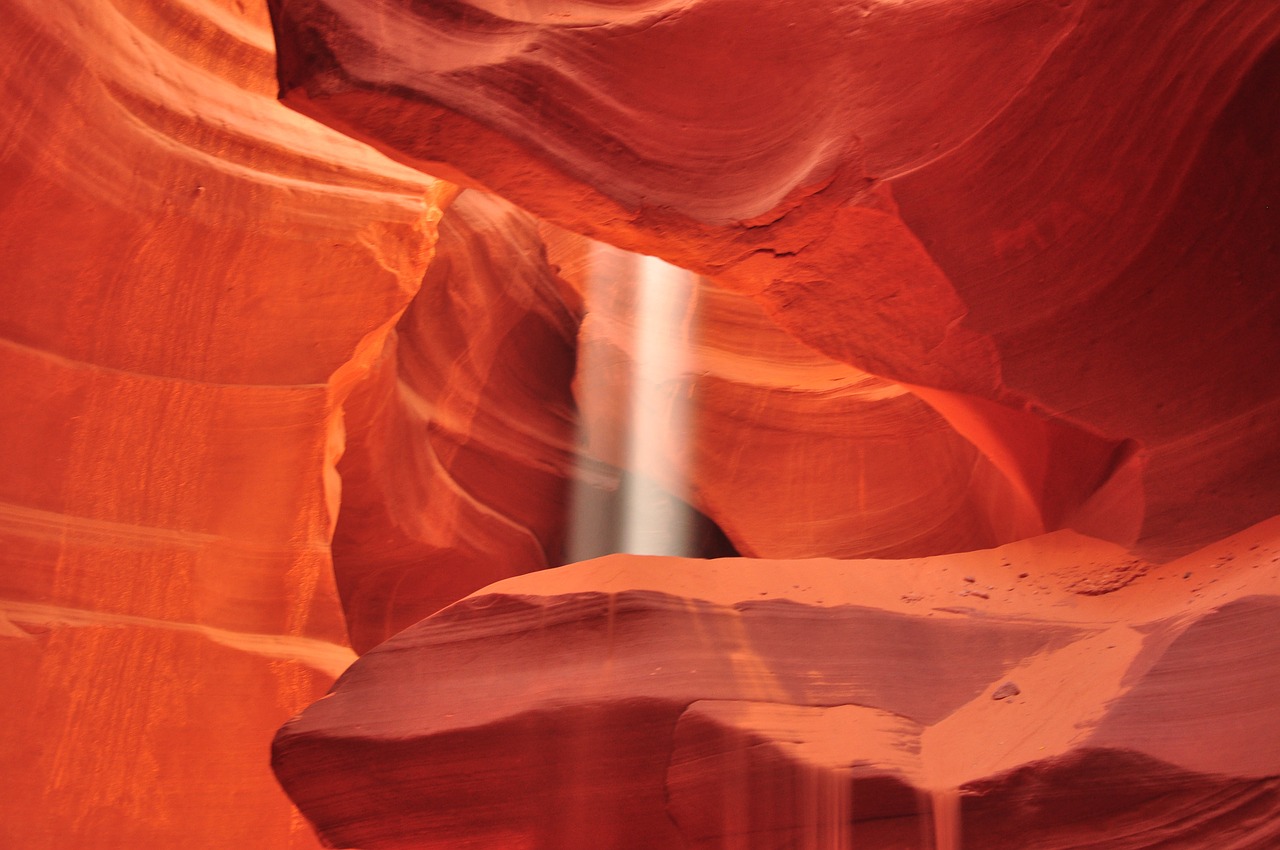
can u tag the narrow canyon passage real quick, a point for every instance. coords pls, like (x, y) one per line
(716, 424)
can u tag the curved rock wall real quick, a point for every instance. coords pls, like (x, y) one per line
(1052, 225)
(461, 444)
(1046, 232)
(989, 700)
(867, 468)
(193, 278)
(964, 273)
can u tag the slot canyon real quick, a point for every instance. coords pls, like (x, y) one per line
(640, 425)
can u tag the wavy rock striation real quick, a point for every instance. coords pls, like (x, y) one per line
(194, 278)
(1024, 210)
(1026, 258)
(460, 446)
(963, 272)
(984, 700)
(884, 474)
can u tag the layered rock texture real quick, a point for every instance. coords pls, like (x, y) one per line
(971, 272)
(460, 444)
(1052, 693)
(951, 362)
(193, 278)
(1055, 218)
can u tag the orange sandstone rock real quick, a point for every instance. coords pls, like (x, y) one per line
(975, 270)
(658, 702)
(791, 453)
(461, 444)
(1052, 219)
(193, 278)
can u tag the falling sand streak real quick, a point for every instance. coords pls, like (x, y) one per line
(945, 806)
(828, 821)
(642, 445)
(652, 524)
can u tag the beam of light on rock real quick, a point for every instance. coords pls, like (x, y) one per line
(655, 519)
(631, 479)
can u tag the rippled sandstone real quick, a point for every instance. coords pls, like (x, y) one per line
(963, 273)
(194, 278)
(1041, 244)
(1053, 227)
(985, 700)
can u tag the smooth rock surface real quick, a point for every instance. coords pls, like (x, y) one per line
(192, 279)
(746, 408)
(460, 445)
(971, 270)
(652, 702)
(1055, 219)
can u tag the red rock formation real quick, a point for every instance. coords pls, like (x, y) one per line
(1056, 228)
(193, 277)
(1054, 233)
(987, 700)
(761, 405)
(460, 446)
(975, 270)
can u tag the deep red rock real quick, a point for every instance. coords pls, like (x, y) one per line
(970, 270)
(460, 445)
(883, 474)
(1052, 218)
(650, 702)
